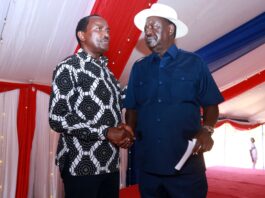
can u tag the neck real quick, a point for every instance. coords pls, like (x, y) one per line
(91, 53)
(161, 50)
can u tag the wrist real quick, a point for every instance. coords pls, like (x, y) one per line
(105, 133)
(208, 128)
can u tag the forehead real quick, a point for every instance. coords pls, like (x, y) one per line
(97, 21)
(155, 19)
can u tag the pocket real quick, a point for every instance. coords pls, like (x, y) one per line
(183, 88)
(143, 91)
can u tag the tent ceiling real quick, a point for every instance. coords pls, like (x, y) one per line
(38, 34)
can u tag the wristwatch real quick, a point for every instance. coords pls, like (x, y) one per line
(208, 128)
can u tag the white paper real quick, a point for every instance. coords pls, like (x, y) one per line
(186, 155)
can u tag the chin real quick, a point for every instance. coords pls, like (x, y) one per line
(105, 47)
(153, 48)
(151, 45)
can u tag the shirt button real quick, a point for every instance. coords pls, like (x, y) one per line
(158, 140)
(160, 82)
(159, 100)
(158, 120)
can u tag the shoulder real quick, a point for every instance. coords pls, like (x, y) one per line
(143, 61)
(190, 56)
(141, 66)
(70, 62)
(192, 61)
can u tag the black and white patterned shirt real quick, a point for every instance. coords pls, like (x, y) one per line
(85, 101)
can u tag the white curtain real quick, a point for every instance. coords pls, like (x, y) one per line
(45, 180)
(123, 167)
(231, 147)
(123, 160)
(8, 143)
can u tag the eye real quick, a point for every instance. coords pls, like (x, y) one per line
(98, 28)
(156, 26)
(148, 27)
(108, 30)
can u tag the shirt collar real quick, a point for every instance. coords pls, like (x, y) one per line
(172, 51)
(102, 60)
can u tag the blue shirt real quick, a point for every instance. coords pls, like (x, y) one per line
(168, 94)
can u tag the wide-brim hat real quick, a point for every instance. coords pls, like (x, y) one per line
(164, 11)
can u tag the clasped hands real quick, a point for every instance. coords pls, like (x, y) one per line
(122, 136)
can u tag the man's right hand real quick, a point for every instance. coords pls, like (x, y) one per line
(122, 136)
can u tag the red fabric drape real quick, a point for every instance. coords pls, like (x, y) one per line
(244, 85)
(124, 36)
(238, 125)
(43, 88)
(123, 33)
(6, 86)
(25, 126)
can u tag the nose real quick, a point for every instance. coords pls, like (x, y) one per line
(148, 31)
(106, 34)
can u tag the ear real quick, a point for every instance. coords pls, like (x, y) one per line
(171, 29)
(81, 36)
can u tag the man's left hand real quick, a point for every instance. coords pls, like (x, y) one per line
(204, 142)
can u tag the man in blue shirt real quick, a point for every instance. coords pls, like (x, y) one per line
(165, 95)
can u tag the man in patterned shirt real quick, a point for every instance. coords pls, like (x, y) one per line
(85, 108)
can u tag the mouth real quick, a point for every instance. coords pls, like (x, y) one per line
(150, 41)
(104, 44)
(105, 41)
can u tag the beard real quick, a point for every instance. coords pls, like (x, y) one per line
(151, 42)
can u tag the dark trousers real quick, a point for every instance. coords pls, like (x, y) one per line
(173, 186)
(92, 186)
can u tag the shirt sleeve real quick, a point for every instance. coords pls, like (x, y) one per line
(63, 117)
(209, 92)
(130, 101)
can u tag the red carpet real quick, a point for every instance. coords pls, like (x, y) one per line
(224, 182)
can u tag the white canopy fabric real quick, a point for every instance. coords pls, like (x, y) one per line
(37, 34)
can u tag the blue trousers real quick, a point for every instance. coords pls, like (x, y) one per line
(173, 186)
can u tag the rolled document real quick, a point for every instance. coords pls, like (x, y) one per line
(186, 155)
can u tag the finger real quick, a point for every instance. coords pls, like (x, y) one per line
(128, 145)
(203, 148)
(200, 149)
(125, 143)
(209, 146)
(121, 125)
(122, 142)
(196, 147)
(129, 129)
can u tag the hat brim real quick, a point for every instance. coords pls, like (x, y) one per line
(140, 20)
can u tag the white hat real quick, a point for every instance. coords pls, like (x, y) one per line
(164, 11)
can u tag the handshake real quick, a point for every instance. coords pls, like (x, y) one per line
(122, 136)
